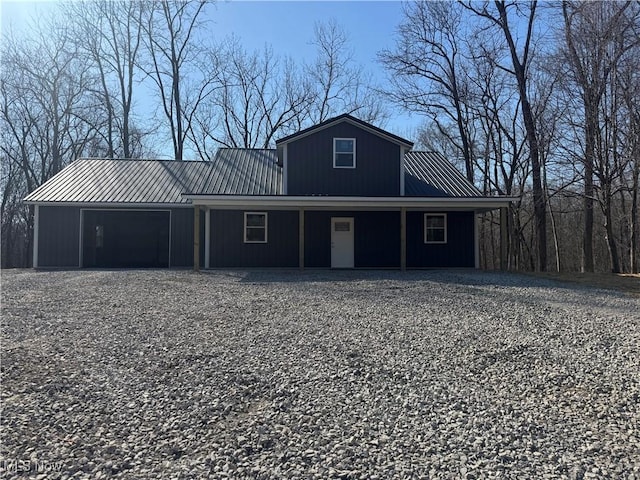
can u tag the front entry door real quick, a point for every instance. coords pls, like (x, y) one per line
(341, 242)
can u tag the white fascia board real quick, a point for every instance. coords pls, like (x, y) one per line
(317, 202)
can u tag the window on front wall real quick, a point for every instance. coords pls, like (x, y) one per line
(435, 228)
(344, 153)
(255, 227)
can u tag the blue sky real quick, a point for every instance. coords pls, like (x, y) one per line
(288, 27)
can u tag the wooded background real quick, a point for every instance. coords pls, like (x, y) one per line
(532, 100)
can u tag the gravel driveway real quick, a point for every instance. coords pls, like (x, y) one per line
(252, 374)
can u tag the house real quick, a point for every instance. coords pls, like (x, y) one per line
(341, 194)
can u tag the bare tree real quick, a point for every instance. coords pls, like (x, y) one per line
(44, 107)
(518, 67)
(110, 34)
(254, 97)
(339, 83)
(170, 27)
(597, 35)
(630, 92)
(427, 71)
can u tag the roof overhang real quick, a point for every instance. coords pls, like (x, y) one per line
(228, 202)
(119, 205)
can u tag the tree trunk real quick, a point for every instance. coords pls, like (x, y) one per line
(539, 209)
(634, 219)
(591, 132)
(611, 240)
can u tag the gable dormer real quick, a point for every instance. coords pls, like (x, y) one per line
(343, 156)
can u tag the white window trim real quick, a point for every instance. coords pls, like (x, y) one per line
(334, 152)
(266, 230)
(444, 215)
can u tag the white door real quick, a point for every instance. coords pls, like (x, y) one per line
(341, 242)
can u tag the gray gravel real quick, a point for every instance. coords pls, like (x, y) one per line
(251, 374)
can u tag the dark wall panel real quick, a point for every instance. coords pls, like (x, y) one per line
(459, 251)
(59, 232)
(182, 237)
(125, 238)
(317, 238)
(310, 165)
(58, 236)
(229, 250)
(376, 238)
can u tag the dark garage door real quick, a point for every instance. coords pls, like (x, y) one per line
(125, 239)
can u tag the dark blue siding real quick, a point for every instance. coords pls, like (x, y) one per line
(459, 250)
(130, 239)
(182, 237)
(317, 238)
(59, 240)
(229, 250)
(376, 238)
(58, 236)
(310, 165)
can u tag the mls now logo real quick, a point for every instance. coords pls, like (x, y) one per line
(29, 465)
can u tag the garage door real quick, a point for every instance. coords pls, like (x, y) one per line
(125, 239)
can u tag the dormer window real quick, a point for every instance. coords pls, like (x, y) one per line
(344, 153)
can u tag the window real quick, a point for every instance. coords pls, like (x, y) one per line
(342, 227)
(255, 227)
(435, 228)
(344, 153)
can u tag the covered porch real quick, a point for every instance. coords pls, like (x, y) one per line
(302, 211)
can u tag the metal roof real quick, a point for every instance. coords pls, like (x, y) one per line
(232, 172)
(240, 171)
(123, 181)
(429, 174)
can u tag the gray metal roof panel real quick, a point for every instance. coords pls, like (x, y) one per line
(232, 172)
(240, 171)
(429, 174)
(123, 181)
